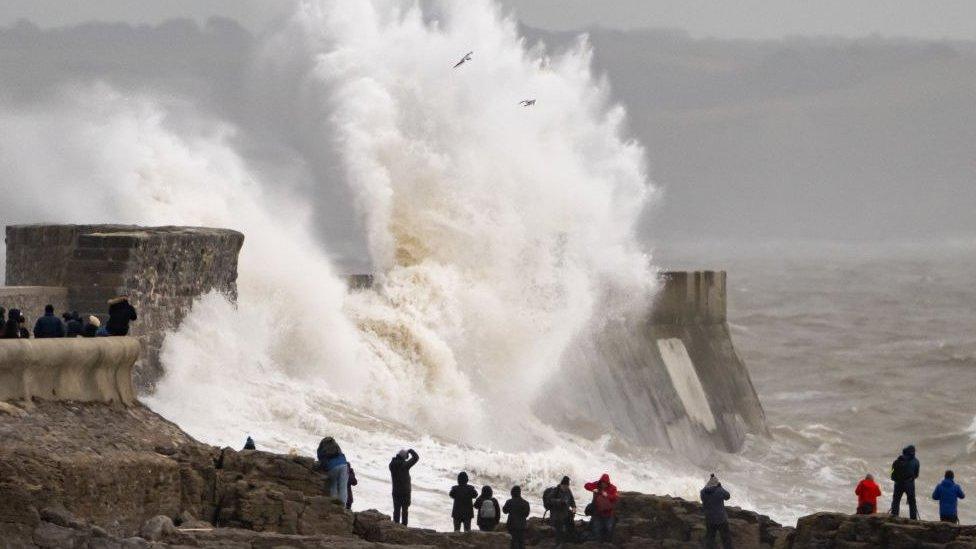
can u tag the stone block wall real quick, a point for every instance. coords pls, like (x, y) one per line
(162, 269)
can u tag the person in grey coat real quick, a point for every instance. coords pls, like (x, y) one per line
(713, 498)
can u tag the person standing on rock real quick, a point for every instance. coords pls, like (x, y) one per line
(867, 492)
(352, 482)
(948, 494)
(400, 467)
(904, 471)
(334, 463)
(713, 498)
(120, 313)
(463, 495)
(561, 504)
(48, 325)
(603, 508)
(517, 510)
(489, 513)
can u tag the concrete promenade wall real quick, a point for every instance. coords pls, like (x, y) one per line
(162, 269)
(32, 299)
(671, 379)
(97, 369)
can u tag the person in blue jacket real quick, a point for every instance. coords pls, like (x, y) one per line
(334, 463)
(48, 325)
(948, 494)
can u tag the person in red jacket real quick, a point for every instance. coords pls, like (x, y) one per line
(602, 508)
(868, 493)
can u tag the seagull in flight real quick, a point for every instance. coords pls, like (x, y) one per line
(527, 102)
(467, 57)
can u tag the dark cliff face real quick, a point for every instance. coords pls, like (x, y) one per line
(162, 269)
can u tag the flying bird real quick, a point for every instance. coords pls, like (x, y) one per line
(527, 102)
(467, 57)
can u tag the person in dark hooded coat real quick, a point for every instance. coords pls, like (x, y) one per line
(517, 510)
(48, 325)
(120, 313)
(489, 513)
(463, 495)
(904, 471)
(72, 324)
(400, 467)
(713, 498)
(11, 328)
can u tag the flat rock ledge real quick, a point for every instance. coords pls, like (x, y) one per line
(94, 476)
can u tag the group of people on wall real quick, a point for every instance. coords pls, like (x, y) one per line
(13, 323)
(904, 472)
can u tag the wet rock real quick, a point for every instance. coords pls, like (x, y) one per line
(157, 528)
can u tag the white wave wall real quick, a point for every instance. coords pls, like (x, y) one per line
(497, 233)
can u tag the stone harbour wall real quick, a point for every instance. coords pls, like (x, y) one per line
(162, 269)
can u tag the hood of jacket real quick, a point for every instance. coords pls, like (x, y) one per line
(908, 451)
(462, 478)
(486, 492)
(947, 483)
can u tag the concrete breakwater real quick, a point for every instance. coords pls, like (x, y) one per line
(669, 379)
(79, 369)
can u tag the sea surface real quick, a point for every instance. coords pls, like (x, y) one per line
(856, 351)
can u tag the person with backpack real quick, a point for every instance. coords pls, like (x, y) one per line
(559, 502)
(400, 467)
(463, 495)
(489, 513)
(948, 494)
(602, 507)
(867, 492)
(904, 471)
(517, 510)
(713, 498)
(334, 463)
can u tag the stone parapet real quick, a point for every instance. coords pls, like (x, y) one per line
(97, 369)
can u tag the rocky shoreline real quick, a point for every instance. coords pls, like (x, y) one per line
(88, 475)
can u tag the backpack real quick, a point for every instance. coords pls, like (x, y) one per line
(901, 469)
(549, 497)
(487, 510)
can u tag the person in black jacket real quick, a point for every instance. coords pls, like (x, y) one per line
(517, 510)
(72, 324)
(489, 513)
(400, 467)
(48, 325)
(11, 328)
(351, 482)
(562, 509)
(120, 313)
(713, 498)
(904, 471)
(463, 495)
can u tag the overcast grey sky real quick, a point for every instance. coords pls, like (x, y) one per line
(812, 138)
(760, 19)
